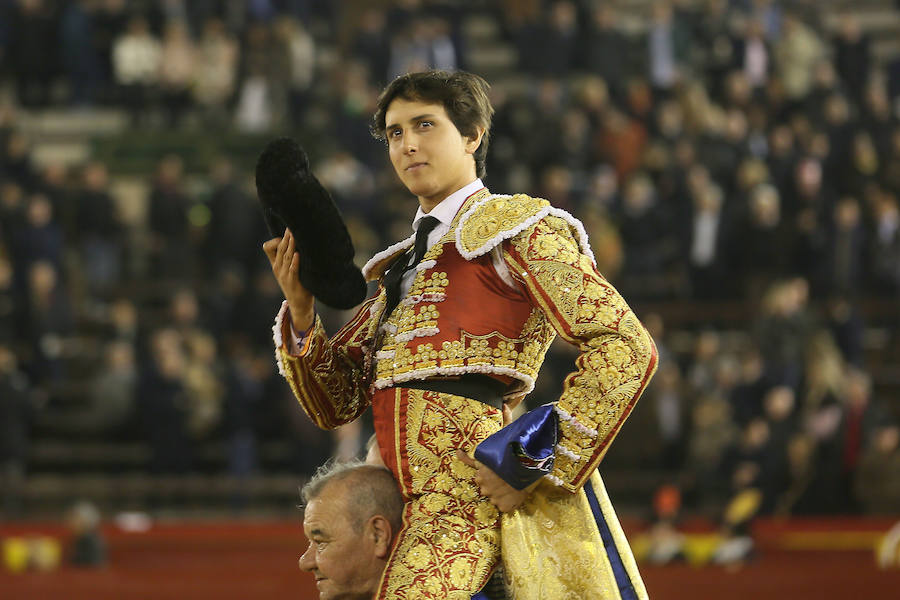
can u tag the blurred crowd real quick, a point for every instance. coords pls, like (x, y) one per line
(726, 153)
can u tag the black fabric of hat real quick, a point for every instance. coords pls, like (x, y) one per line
(293, 198)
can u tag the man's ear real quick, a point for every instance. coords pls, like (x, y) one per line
(382, 535)
(473, 142)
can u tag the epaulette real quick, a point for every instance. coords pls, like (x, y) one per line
(497, 218)
(494, 219)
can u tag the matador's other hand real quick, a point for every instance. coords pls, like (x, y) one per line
(502, 495)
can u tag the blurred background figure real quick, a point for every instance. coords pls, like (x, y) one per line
(87, 546)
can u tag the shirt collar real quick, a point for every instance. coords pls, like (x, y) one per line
(449, 206)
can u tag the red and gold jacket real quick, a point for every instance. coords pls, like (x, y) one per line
(465, 315)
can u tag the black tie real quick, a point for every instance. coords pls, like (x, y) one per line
(403, 264)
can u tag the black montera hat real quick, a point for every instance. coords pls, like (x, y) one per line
(293, 198)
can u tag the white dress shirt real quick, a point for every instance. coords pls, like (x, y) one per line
(444, 212)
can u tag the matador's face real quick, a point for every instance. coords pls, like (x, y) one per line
(431, 157)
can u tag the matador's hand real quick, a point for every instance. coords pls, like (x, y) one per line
(285, 263)
(502, 495)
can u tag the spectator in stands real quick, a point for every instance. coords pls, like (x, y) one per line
(10, 307)
(747, 395)
(711, 433)
(136, 62)
(885, 245)
(244, 380)
(88, 547)
(260, 297)
(852, 55)
(350, 115)
(178, 64)
(111, 398)
(890, 176)
(167, 219)
(12, 216)
(782, 156)
(184, 315)
(846, 325)
(549, 104)
(779, 405)
(759, 241)
(300, 49)
(443, 52)
(235, 225)
(33, 23)
(647, 245)
(620, 141)
(263, 87)
(744, 463)
(700, 376)
(39, 237)
(203, 385)
(556, 41)
(707, 244)
(754, 56)
(162, 405)
(372, 44)
(604, 48)
(15, 163)
(861, 417)
(668, 396)
(110, 20)
(784, 327)
(423, 44)
(667, 41)
(877, 483)
(122, 324)
(48, 321)
(216, 71)
(16, 414)
(78, 53)
(99, 231)
(797, 52)
(844, 253)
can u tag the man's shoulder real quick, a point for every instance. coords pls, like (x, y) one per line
(496, 218)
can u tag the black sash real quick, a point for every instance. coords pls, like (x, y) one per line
(476, 386)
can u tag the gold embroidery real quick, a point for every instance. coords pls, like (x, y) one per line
(450, 540)
(552, 548)
(520, 357)
(495, 216)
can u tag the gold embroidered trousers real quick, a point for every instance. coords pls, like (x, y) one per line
(449, 543)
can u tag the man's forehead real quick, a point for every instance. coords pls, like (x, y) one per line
(324, 510)
(402, 109)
